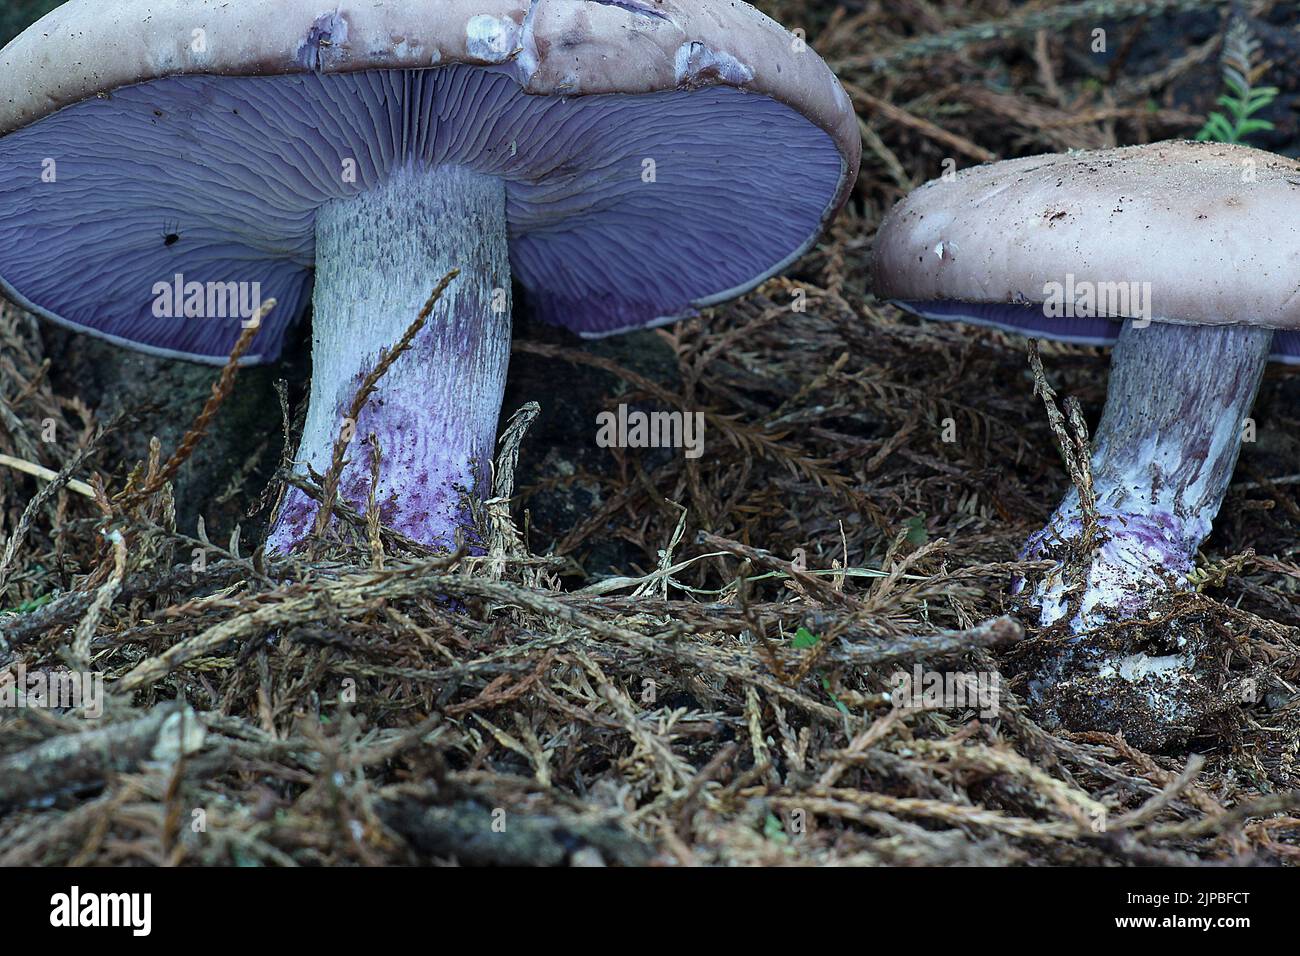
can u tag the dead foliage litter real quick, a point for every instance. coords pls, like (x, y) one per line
(379, 703)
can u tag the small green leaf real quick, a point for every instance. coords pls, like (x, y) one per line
(1246, 127)
(773, 830)
(803, 639)
(1217, 128)
(29, 606)
(1236, 84)
(826, 686)
(916, 533)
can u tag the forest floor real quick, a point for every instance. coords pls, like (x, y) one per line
(676, 660)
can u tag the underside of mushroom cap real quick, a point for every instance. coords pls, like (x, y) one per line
(1029, 320)
(657, 159)
(1179, 232)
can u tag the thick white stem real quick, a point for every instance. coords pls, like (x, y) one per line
(435, 412)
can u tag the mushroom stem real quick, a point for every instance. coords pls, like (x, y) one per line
(1162, 459)
(435, 411)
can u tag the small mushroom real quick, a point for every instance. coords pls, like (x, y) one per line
(623, 164)
(1183, 255)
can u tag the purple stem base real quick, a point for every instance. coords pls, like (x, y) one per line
(1163, 457)
(434, 414)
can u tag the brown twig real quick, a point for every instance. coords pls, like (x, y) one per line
(221, 390)
(330, 485)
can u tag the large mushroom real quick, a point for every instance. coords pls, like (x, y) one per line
(626, 163)
(1186, 257)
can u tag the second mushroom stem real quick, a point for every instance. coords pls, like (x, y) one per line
(435, 412)
(1162, 459)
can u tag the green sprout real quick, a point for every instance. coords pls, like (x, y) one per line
(774, 830)
(916, 533)
(1242, 100)
(28, 606)
(804, 639)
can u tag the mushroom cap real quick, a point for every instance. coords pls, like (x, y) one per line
(659, 156)
(1213, 228)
